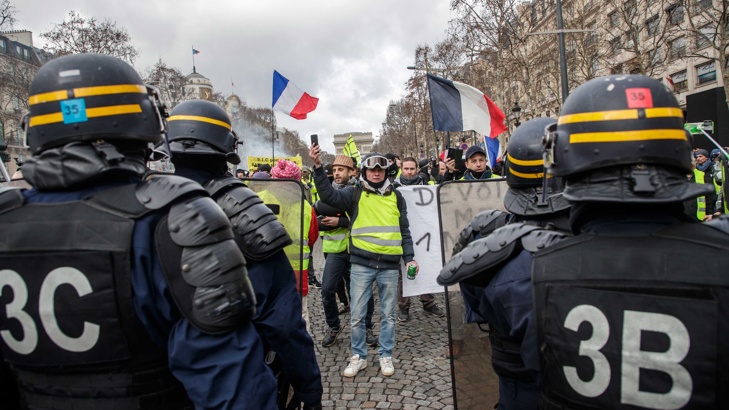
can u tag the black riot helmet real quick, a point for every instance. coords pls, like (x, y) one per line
(199, 127)
(88, 97)
(620, 138)
(524, 163)
(531, 192)
(615, 120)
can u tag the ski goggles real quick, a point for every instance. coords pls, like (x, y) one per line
(374, 162)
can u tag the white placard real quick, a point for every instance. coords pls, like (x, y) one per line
(422, 207)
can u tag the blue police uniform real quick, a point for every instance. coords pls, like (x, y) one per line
(506, 305)
(223, 371)
(278, 304)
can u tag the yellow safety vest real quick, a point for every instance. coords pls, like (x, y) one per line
(290, 218)
(334, 241)
(314, 193)
(700, 201)
(377, 227)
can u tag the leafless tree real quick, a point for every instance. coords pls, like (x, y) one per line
(171, 83)
(15, 78)
(7, 15)
(81, 35)
(707, 26)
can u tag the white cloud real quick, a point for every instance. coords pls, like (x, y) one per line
(350, 54)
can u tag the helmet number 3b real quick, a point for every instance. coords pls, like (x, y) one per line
(633, 359)
(16, 309)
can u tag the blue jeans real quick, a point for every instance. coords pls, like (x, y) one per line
(335, 269)
(360, 292)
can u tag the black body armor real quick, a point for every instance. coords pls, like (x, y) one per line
(69, 328)
(258, 232)
(635, 320)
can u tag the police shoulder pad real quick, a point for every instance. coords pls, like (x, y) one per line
(540, 239)
(481, 225)
(162, 190)
(259, 233)
(198, 221)
(481, 259)
(10, 198)
(217, 184)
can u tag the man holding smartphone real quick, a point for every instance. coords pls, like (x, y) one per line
(379, 239)
(476, 166)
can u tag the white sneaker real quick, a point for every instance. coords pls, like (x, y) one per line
(355, 365)
(386, 366)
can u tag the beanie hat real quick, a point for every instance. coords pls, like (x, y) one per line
(264, 168)
(703, 152)
(344, 161)
(286, 169)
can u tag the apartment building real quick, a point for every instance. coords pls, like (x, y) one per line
(670, 40)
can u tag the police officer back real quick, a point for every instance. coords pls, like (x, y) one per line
(632, 311)
(119, 293)
(495, 271)
(202, 143)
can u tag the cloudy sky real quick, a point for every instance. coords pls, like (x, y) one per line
(351, 54)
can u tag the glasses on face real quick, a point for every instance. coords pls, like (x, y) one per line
(374, 162)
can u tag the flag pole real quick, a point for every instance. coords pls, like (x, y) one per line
(273, 138)
(193, 59)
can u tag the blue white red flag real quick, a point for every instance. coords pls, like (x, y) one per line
(289, 99)
(459, 107)
(195, 51)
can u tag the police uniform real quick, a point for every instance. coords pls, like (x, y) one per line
(631, 312)
(492, 262)
(95, 316)
(202, 141)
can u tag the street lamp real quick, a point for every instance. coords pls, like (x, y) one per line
(516, 112)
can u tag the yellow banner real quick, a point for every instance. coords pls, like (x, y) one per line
(254, 162)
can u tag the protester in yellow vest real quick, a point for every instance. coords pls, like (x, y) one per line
(380, 238)
(334, 231)
(290, 216)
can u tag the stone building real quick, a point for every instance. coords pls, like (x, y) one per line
(670, 40)
(363, 140)
(19, 61)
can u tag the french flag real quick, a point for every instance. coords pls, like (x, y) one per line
(459, 107)
(289, 99)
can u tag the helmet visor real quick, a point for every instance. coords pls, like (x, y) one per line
(374, 162)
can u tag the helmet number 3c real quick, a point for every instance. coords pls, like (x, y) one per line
(15, 310)
(633, 358)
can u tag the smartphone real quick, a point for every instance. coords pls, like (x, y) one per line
(314, 139)
(456, 154)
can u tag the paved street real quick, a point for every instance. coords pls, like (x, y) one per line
(422, 373)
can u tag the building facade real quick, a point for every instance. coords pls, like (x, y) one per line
(673, 41)
(19, 61)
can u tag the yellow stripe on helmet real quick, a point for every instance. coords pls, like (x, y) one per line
(525, 163)
(198, 118)
(86, 92)
(536, 175)
(113, 110)
(615, 115)
(90, 113)
(624, 136)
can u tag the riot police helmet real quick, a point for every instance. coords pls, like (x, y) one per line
(531, 191)
(90, 97)
(199, 127)
(620, 138)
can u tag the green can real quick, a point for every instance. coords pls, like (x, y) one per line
(412, 271)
